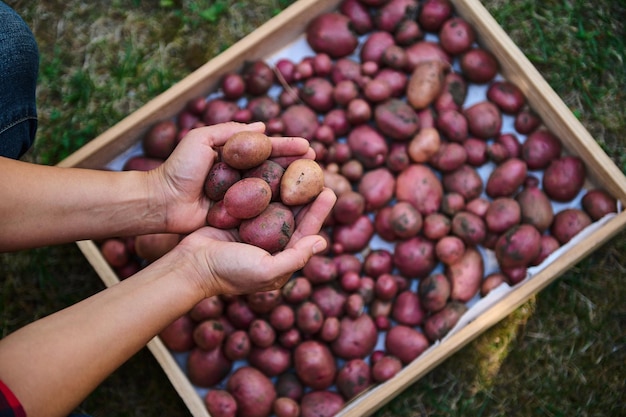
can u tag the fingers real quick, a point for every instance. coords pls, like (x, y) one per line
(218, 134)
(312, 217)
(293, 258)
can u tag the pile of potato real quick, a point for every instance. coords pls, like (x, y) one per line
(428, 180)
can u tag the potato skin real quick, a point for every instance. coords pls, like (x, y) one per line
(598, 203)
(253, 391)
(221, 177)
(506, 178)
(314, 364)
(425, 83)
(247, 198)
(245, 150)
(419, 185)
(270, 230)
(301, 182)
(440, 323)
(564, 178)
(518, 247)
(465, 275)
(568, 223)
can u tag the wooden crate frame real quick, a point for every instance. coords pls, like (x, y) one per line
(279, 32)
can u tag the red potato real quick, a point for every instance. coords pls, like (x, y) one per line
(407, 309)
(220, 403)
(321, 404)
(478, 206)
(398, 157)
(153, 246)
(233, 86)
(359, 111)
(314, 364)
(352, 238)
(449, 157)
(479, 65)
(419, 185)
(317, 93)
(386, 368)
(261, 333)
(386, 287)
(518, 247)
(218, 217)
(272, 360)
(299, 121)
(247, 198)
(221, 177)
(270, 230)
(209, 334)
(506, 178)
(535, 208)
(465, 180)
(336, 182)
(286, 407)
(178, 335)
(350, 281)
(568, 223)
(396, 119)
(476, 150)
(262, 302)
(353, 378)
(253, 391)
(598, 203)
(396, 79)
(347, 69)
(415, 257)
(368, 145)
(439, 324)
(511, 143)
(290, 338)
(469, 227)
(540, 148)
(405, 220)
(289, 386)
(434, 14)
(258, 76)
(357, 338)
(424, 144)
(526, 121)
(309, 318)
(408, 32)
(564, 178)
(382, 224)
(497, 152)
(296, 290)
(271, 172)
(345, 91)
(142, 163)
(507, 96)
(377, 187)
(347, 262)
(394, 57)
(405, 343)
(330, 329)
(465, 275)
(329, 299)
(360, 19)
(484, 120)
(449, 249)
(366, 288)
(160, 140)
(377, 262)
(426, 82)
(434, 292)
(239, 314)
(205, 368)
(436, 226)
(453, 125)
(219, 110)
(282, 317)
(491, 282)
(452, 203)
(115, 252)
(237, 345)
(390, 14)
(456, 35)
(502, 214)
(330, 33)
(262, 108)
(548, 244)
(375, 45)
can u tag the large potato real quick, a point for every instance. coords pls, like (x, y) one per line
(270, 230)
(419, 185)
(301, 182)
(247, 198)
(245, 150)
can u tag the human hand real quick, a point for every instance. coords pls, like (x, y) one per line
(222, 265)
(178, 184)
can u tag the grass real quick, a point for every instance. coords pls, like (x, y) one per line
(561, 353)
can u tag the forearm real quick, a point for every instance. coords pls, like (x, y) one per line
(53, 364)
(43, 205)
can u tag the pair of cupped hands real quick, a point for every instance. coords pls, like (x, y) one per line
(222, 263)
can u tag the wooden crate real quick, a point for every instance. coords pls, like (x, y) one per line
(281, 31)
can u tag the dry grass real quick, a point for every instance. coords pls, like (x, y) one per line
(562, 353)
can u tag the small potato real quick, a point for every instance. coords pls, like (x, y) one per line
(301, 182)
(440, 323)
(221, 177)
(564, 178)
(247, 198)
(597, 203)
(160, 140)
(245, 150)
(434, 291)
(568, 223)
(503, 213)
(424, 144)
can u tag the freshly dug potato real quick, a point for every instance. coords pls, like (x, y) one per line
(598, 203)
(218, 217)
(415, 257)
(484, 120)
(405, 343)
(518, 247)
(479, 65)
(564, 178)
(160, 140)
(330, 33)
(419, 185)
(209, 334)
(245, 150)
(178, 335)
(456, 35)
(348, 207)
(368, 145)
(288, 385)
(237, 345)
(253, 391)
(507, 96)
(506, 178)
(270, 230)
(271, 172)
(314, 364)
(540, 148)
(301, 182)
(354, 237)
(321, 404)
(449, 249)
(206, 368)
(221, 177)
(406, 221)
(449, 157)
(502, 214)
(377, 187)
(549, 244)
(407, 309)
(424, 144)
(385, 368)
(272, 360)
(247, 198)
(299, 120)
(568, 223)
(465, 181)
(491, 282)
(220, 403)
(439, 324)
(465, 275)
(426, 82)
(469, 227)
(286, 407)
(357, 338)
(353, 378)
(296, 290)
(396, 119)
(535, 208)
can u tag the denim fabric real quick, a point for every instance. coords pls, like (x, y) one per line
(19, 66)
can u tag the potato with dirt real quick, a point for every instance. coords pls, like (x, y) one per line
(396, 119)
(466, 275)
(426, 83)
(439, 324)
(331, 33)
(322, 403)
(270, 230)
(245, 150)
(506, 179)
(568, 223)
(253, 391)
(465, 180)
(415, 257)
(597, 203)
(221, 177)
(301, 183)
(535, 208)
(357, 338)
(484, 120)
(518, 246)
(353, 378)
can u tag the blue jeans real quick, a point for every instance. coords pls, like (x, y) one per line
(19, 66)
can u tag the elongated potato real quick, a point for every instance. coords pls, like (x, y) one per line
(301, 182)
(466, 275)
(425, 83)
